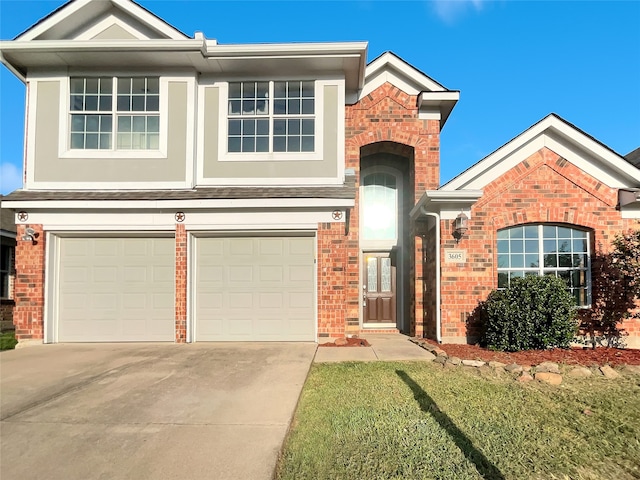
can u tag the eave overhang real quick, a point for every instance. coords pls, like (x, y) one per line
(438, 201)
(629, 197)
(199, 54)
(443, 102)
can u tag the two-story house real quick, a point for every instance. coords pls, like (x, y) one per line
(177, 189)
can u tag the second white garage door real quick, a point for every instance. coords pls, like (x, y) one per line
(255, 288)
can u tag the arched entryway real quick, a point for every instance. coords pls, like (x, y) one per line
(385, 199)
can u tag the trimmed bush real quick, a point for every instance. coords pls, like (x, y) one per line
(535, 312)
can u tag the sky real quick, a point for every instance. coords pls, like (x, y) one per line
(514, 62)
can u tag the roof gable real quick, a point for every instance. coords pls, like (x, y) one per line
(95, 19)
(563, 138)
(388, 67)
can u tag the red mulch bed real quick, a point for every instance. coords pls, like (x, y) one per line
(572, 356)
(351, 342)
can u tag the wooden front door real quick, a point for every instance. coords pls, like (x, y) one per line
(379, 288)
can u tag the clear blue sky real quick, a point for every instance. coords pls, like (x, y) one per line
(513, 61)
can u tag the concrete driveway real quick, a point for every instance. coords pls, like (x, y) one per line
(148, 411)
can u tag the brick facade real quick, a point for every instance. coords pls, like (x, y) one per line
(28, 316)
(181, 284)
(386, 121)
(543, 188)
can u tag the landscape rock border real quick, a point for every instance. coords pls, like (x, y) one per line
(547, 372)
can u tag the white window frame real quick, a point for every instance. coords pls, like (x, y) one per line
(64, 141)
(317, 154)
(541, 269)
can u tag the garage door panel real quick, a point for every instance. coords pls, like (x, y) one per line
(252, 286)
(123, 290)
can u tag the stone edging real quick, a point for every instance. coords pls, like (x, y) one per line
(548, 372)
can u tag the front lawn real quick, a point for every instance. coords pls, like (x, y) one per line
(419, 421)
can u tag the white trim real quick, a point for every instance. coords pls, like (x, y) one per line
(51, 307)
(98, 8)
(30, 133)
(270, 181)
(106, 23)
(164, 221)
(389, 68)
(251, 231)
(55, 206)
(317, 154)
(64, 151)
(190, 324)
(114, 186)
(261, 50)
(563, 139)
(63, 134)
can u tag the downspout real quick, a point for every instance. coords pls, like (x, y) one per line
(438, 319)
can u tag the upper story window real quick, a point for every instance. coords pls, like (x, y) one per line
(274, 116)
(546, 250)
(114, 113)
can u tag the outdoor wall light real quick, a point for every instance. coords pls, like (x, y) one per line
(30, 235)
(460, 226)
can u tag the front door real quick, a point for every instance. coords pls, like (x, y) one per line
(379, 289)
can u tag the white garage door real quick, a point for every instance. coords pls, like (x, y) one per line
(116, 289)
(255, 288)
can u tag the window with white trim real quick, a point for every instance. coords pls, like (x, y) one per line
(114, 113)
(546, 250)
(271, 116)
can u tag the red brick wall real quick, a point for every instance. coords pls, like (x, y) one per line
(332, 280)
(543, 188)
(181, 284)
(28, 316)
(387, 117)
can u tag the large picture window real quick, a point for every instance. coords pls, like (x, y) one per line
(546, 250)
(276, 116)
(114, 113)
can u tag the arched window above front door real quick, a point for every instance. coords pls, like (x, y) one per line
(380, 207)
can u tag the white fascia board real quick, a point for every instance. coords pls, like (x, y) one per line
(61, 46)
(284, 50)
(438, 200)
(20, 75)
(390, 61)
(153, 22)
(257, 204)
(442, 102)
(96, 8)
(545, 134)
(69, 9)
(164, 221)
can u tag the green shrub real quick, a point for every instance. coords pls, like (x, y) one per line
(535, 312)
(7, 341)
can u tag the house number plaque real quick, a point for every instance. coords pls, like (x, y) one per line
(455, 256)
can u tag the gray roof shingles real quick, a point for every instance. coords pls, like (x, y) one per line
(346, 191)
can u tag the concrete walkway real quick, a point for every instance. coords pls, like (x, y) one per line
(384, 347)
(148, 411)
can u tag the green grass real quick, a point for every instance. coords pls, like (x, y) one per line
(7, 341)
(417, 421)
